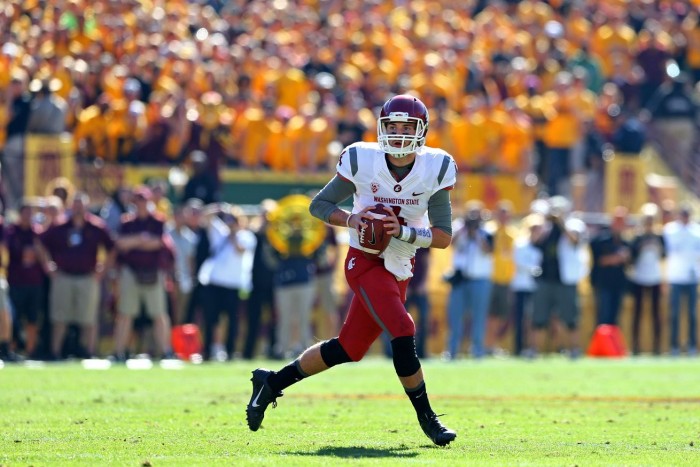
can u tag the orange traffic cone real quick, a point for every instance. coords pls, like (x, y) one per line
(607, 341)
(186, 341)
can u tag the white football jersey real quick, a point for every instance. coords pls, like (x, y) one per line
(364, 165)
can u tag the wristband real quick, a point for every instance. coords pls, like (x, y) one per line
(421, 238)
(347, 221)
(424, 238)
(404, 234)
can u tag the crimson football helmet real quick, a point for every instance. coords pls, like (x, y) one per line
(404, 109)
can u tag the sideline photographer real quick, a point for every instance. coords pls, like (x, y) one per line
(471, 281)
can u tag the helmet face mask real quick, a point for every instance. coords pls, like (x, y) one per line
(402, 109)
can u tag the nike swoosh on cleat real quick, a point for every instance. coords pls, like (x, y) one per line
(417, 194)
(255, 401)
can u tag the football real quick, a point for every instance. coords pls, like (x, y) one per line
(374, 239)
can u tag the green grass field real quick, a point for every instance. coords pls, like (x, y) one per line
(507, 412)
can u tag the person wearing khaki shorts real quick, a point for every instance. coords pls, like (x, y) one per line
(69, 252)
(132, 294)
(140, 245)
(74, 298)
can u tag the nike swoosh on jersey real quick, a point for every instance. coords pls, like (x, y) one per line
(417, 194)
(255, 401)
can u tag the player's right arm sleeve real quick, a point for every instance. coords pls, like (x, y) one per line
(327, 200)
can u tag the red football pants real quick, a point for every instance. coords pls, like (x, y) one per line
(377, 305)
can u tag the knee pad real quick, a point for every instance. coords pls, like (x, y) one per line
(405, 359)
(333, 353)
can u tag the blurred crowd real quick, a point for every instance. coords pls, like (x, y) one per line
(526, 276)
(114, 280)
(513, 86)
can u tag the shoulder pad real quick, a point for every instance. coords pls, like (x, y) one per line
(445, 166)
(361, 155)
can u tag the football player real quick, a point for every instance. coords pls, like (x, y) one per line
(413, 182)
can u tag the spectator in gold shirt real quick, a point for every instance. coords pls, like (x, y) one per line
(562, 133)
(91, 138)
(251, 133)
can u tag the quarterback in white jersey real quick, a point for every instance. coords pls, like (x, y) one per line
(364, 165)
(413, 183)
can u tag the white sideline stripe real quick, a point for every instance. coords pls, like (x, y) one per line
(34, 364)
(100, 364)
(96, 364)
(139, 364)
(172, 364)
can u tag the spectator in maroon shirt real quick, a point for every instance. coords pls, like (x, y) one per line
(70, 249)
(141, 278)
(25, 275)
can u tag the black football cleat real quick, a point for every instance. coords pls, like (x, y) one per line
(262, 396)
(436, 431)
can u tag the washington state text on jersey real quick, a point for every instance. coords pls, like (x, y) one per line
(397, 201)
